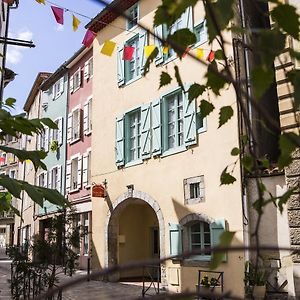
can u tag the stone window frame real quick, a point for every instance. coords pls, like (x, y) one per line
(186, 187)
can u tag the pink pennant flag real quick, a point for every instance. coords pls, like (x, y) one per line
(211, 56)
(89, 38)
(58, 14)
(10, 2)
(128, 52)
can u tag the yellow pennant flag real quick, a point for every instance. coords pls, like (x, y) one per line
(28, 161)
(76, 22)
(108, 48)
(165, 50)
(200, 53)
(41, 1)
(148, 50)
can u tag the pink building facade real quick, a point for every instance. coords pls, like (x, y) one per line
(79, 134)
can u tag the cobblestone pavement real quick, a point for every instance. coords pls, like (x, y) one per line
(4, 275)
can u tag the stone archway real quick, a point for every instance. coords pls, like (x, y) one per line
(111, 227)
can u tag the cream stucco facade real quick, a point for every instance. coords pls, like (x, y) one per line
(158, 181)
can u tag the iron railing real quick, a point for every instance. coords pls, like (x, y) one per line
(151, 279)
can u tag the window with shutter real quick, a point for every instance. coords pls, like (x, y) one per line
(133, 14)
(190, 136)
(120, 66)
(69, 129)
(71, 84)
(68, 175)
(79, 172)
(133, 66)
(146, 131)
(76, 128)
(175, 231)
(200, 31)
(74, 174)
(85, 169)
(119, 147)
(156, 127)
(216, 229)
(87, 116)
(86, 71)
(77, 80)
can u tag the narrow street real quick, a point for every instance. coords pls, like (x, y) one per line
(4, 275)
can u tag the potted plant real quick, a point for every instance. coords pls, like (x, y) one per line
(54, 146)
(207, 284)
(255, 281)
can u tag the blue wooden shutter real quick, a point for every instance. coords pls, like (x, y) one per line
(121, 66)
(187, 19)
(175, 239)
(143, 41)
(158, 31)
(156, 128)
(190, 128)
(216, 229)
(146, 131)
(119, 148)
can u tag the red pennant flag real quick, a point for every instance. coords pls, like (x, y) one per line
(2, 159)
(128, 52)
(211, 56)
(89, 38)
(58, 14)
(8, 1)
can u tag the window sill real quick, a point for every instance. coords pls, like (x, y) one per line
(88, 132)
(196, 262)
(73, 191)
(202, 130)
(88, 186)
(133, 80)
(173, 57)
(134, 163)
(76, 89)
(74, 141)
(173, 151)
(132, 29)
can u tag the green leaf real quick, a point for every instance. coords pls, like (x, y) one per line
(178, 78)
(206, 108)
(235, 151)
(219, 55)
(225, 241)
(149, 61)
(223, 13)
(15, 211)
(262, 78)
(226, 112)
(195, 91)
(10, 102)
(169, 11)
(265, 162)
(294, 77)
(48, 122)
(288, 142)
(227, 178)
(11, 185)
(284, 198)
(247, 162)
(214, 81)
(287, 18)
(165, 79)
(22, 155)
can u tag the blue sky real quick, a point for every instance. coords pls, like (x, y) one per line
(54, 43)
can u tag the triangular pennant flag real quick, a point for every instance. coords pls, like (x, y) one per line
(128, 52)
(89, 38)
(41, 2)
(2, 159)
(28, 161)
(76, 23)
(165, 50)
(211, 56)
(200, 53)
(58, 14)
(148, 50)
(108, 48)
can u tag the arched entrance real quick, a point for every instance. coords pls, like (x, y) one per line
(134, 231)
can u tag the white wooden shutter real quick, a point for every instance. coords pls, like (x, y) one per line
(58, 179)
(156, 128)
(85, 169)
(69, 126)
(45, 173)
(216, 229)
(79, 172)
(60, 131)
(158, 31)
(62, 85)
(38, 137)
(68, 175)
(119, 147)
(143, 41)
(79, 122)
(47, 139)
(79, 77)
(85, 117)
(86, 70)
(120, 66)
(50, 179)
(146, 131)
(189, 122)
(71, 84)
(187, 19)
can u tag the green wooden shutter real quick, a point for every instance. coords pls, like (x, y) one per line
(190, 128)
(175, 239)
(120, 66)
(156, 128)
(158, 31)
(146, 130)
(143, 41)
(119, 148)
(216, 229)
(187, 19)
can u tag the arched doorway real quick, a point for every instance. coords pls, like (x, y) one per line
(134, 231)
